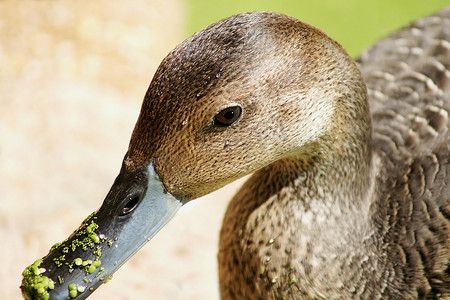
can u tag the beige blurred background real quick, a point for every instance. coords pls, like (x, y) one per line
(72, 78)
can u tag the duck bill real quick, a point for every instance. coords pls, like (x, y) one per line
(135, 209)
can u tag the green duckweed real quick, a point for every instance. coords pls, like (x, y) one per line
(97, 263)
(74, 289)
(87, 262)
(89, 265)
(55, 246)
(87, 237)
(34, 284)
(97, 252)
(37, 286)
(108, 279)
(100, 272)
(94, 237)
(73, 293)
(59, 260)
(91, 227)
(91, 269)
(78, 261)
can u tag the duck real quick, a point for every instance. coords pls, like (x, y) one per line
(350, 192)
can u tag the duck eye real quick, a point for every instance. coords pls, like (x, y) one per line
(227, 116)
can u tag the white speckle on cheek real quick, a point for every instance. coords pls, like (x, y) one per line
(315, 111)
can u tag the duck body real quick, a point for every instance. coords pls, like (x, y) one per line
(338, 206)
(324, 230)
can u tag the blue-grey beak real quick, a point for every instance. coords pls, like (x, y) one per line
(135, 209)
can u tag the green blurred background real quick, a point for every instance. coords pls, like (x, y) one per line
(356, 24)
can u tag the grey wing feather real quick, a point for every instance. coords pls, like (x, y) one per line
(408, 80)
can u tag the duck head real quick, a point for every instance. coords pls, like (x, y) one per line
(244, 92)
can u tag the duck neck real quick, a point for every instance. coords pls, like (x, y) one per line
(302, 215)
(296, 222)
(336, 194)
(336, 187)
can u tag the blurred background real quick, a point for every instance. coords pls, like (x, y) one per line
(72, 78)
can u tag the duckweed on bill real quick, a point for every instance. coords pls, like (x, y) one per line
(34, 284)
(78, 261)
(100, 272)
(89, 265)
(59, 260)
(55, 246)
(91, 227)
(74, 289)
(89, 240)
(97, 252)
(94, 238)
(37, 286)
(108, 279)
(87, 262)
(91, 269)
